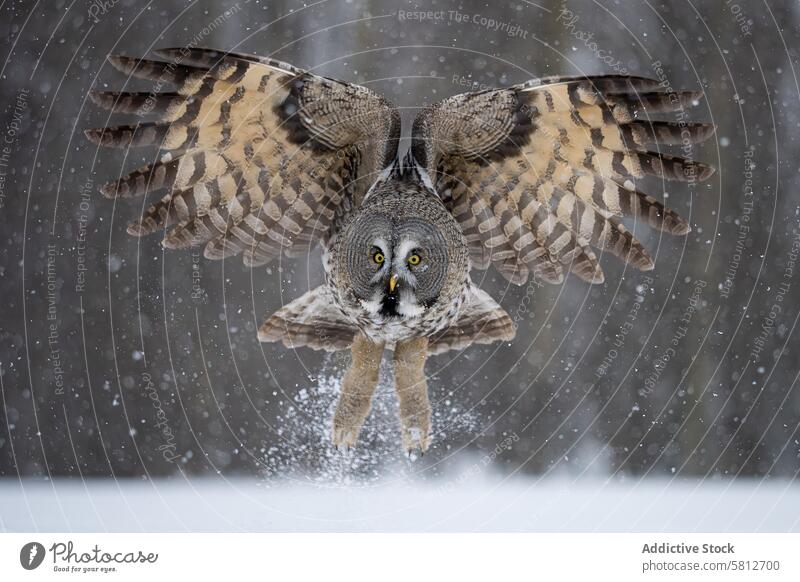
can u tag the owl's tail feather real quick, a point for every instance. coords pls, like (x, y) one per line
(482, 321)
(312, 321)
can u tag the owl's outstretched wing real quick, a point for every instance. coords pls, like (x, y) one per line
(261, 156)
(537, 174)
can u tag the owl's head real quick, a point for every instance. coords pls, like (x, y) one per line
(402, 256)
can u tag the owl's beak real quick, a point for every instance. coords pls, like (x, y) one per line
(392, 282)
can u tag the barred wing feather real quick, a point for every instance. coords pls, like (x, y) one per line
(260, 156)
(540, 173)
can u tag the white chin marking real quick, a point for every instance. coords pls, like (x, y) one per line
(408, 308)
(373, 306)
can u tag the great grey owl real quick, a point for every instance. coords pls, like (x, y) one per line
(264, 158)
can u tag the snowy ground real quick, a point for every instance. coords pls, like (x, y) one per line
(464, 504)
(309, 486)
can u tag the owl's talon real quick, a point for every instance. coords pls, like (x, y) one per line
(412, 453)
(344, 437)
(416, 438)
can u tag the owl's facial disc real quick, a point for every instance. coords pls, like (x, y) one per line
(399, 270)
(416, 267)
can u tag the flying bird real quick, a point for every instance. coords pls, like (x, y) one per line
(263, 159)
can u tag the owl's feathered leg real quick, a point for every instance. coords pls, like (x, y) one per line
(358, 386)
(412, 391)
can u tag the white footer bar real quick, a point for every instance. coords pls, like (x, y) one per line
(401, 557)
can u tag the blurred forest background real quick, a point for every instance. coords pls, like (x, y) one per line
(120, 359)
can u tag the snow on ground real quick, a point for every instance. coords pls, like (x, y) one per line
(307, 485)
(472, 503)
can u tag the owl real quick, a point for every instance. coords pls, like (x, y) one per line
(262, 159)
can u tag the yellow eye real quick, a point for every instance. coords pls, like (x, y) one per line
(378, 258)
(414, 260)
